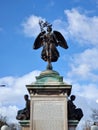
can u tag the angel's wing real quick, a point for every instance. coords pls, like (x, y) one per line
(61, 41)
(38, 42)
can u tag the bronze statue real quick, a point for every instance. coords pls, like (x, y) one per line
(49, 41)
(73, 112)
(24, 114)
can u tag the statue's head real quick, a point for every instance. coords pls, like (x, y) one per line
(44, 25)
(49, 28)
(72, 97)
(26, 97)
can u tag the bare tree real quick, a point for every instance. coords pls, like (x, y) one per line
(12, 126)
(87, 125)
(94, 118)
(15, 126)
(94, 115)
(3, 120)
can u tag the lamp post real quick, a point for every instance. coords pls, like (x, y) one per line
(2, 85)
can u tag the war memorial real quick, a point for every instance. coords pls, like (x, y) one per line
(49, 107)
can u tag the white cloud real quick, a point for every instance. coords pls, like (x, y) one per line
(9, 112)
(82, 28)
(88, 91)
(12, 96)
(85, 65)
(31, 26)
(61, 26)
(89, 56)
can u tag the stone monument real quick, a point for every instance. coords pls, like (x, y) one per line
(50, 108)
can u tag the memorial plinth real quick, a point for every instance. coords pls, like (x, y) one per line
(49, 102)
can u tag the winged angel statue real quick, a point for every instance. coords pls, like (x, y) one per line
(49, 40)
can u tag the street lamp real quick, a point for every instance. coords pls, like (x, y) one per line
(2, 85)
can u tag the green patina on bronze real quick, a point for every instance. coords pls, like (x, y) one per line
(49, 77)
(49, 82)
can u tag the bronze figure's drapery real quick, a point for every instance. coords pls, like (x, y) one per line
(49, 41)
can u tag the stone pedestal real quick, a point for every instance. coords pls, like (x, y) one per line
(49, 102)
(48, 112)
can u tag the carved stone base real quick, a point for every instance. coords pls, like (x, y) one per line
(72, 124)
(25, 124)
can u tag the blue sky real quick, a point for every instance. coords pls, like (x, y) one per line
(78, 22)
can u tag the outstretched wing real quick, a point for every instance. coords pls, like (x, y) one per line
(61, 41)
(38, 42)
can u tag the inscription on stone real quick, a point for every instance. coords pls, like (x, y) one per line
(49, 115)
